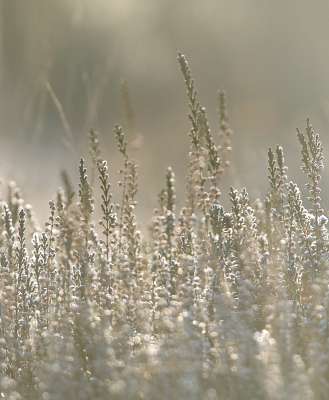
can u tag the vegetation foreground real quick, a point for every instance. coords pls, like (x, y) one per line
(217, 305)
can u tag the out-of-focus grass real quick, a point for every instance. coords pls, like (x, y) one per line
(272, 58)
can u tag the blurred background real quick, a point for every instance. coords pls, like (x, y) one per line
(272, 57)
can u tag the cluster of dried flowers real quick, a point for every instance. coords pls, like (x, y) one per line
(217, 305)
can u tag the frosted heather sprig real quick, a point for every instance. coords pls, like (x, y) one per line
(109, 217)
(86, 200)
(94, 151)
(194, 105)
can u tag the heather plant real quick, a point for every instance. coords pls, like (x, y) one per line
(216, 304)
